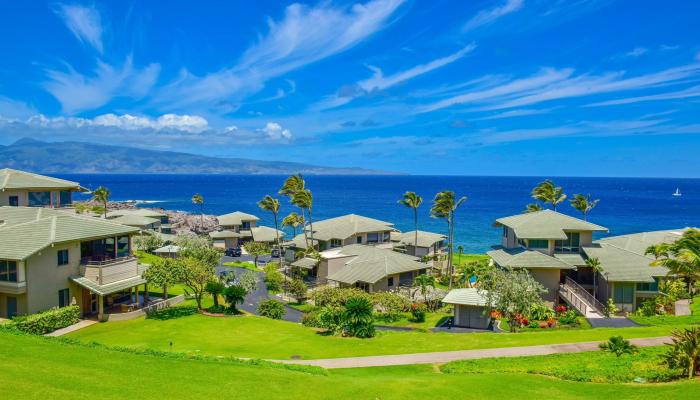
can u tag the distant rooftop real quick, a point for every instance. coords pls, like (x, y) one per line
(546, 224)
(370, 264)
(347, 225)
(235, 218)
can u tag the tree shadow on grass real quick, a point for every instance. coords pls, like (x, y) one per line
(172, 313)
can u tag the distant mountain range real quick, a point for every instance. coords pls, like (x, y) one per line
(78, 157)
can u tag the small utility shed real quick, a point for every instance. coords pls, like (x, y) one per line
(471, 308)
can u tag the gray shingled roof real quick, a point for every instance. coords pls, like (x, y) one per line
(136, 211)
(305, 262)
(466, 297)
(235, 218)
(370, 264)
(265, 234)
(347, 225)
(425, 239)
(171, 248)
(546, 224)
(135, 220)
(26, 230)
(225, 234)
(15, 179)
(622, 257)
(524, 258)
(110, 288)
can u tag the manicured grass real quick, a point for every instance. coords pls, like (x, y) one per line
(257, 337)
(41, 368)
(146, 258)
(432, 320)
(242, 264)
(672, 319)
(458, 259)
(596, 366)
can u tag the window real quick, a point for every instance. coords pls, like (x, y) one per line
(359, 240)
(538, 243)
(8, 271)
(246, 225)
(372, 237)
(570, 245)
(39, 199)
(62, 257)
(648, 286)
(122, 246)
(14, 201)
(336, 243)
(505, 231)
(66, 198)
(386, 237)
(63, 298)
(522, 242)
(390, 281)
(624, 292)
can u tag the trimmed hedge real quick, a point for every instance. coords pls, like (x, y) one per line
(47, 321)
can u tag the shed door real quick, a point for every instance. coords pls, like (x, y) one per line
(472, 317)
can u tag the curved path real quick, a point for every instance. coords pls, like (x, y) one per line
(447, 356)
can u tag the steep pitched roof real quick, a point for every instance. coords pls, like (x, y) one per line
(425, 239)
(347, 225)
(27, 230)
(524, 258)
(235, 218)
(622, 257)
(15, 179)
(546, 224)
(370, 264)
(265, 234)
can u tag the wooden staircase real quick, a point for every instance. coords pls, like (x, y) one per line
(579, 298)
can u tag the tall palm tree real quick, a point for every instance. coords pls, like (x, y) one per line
(412, 200)
(682, 257)
(460, 250)
(271, 204)
(594, 264)
(291, 185)
(198, 199)
(293, 220)
(304, 200)
(584, 204)
(101, 195)
(548, 192)
(444, 206)
(532, 207)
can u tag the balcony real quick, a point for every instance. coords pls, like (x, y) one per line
(104, 270)
(10, 287)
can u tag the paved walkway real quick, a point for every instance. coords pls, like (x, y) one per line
(83, 323)
(615, 322)
(447, 356)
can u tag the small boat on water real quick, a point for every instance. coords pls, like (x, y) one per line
(677, 193)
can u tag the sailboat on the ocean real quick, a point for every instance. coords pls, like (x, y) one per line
(677, 193)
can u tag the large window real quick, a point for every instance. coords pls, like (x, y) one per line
(39, 199)
(63, 298)
(14, 201)
(8, 271)
(372, 238)
(336, 243)
(538, 243)
(648, 286)
(123, 246)
(570, 245)
(66, 198)
(624, 293)
(245, 225)
(62, 257)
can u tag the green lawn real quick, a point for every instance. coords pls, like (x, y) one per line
(146, 258)
(672, 319)
(432, 319)
(41, 368)
(242, 264)
(458, 259)
(258, 337)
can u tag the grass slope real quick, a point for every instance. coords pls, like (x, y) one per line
(40, 368)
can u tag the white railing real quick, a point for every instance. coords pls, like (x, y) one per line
(585, 295)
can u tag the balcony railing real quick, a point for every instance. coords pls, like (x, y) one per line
(97, 261)
(104, 272)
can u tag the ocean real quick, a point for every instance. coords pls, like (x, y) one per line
(627, 205)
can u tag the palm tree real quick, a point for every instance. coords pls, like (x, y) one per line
(460, 250)
(682, 257)
(532, 207)
(618, 346)
(293, 220)
(269, 203)
(444, 206)
(684, 353)
(291, 185)
(584, 204)
(198, 199)
(424, 281)
(412, 200)
(304, 200)
(101, 195)
(594, 264)
(547, 192)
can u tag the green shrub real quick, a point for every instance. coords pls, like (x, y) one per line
(541, 312)
(568, 317)
(298, 288)
(172, 312)
(651, 307)
(329, 296)
(272, 308)
(330, 318)
(47, 321)
(390, 303)
(273, 278)
(418, 312)
(218, 309)
(310, 319)
(357, 318)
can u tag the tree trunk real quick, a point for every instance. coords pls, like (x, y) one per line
(451, 250)
(303, 227)
(415, 243)
(165, 292)
(216, 299)
(311, 227)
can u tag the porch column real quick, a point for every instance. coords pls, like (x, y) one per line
(145, 294)
(136, 292)
(100, 308)
(115, 246)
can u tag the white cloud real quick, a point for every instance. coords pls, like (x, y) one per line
(84, 22)
(185, 123)
(274, 131)
(486, 17)
(77, 92)
(636, 52)
(680, 94)
(515, 113)
(303, 36)
(11, 109)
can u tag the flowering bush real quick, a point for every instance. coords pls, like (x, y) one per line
(495, 314)
(521, 320)
(418, 312)
(568, 317)
(560, 309)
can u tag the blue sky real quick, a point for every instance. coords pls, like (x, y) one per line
(506, 87)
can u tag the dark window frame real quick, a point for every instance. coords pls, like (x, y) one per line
(63, 257)
(8, 271)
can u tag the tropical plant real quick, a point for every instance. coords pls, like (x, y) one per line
(675, 289)
(423, 282)
(476, 269)
(291, 186)
(256, 249)
(298, 289)
(331, 296)
(162, 273)
(148, 241)
(389, 304)
(513, 292)
(584, 204)
(460, 251)
(444, 206)
(271, 204)
(610, 308)
(418, 312)
(684, 353)
(198, 200)
(618, 346)
(357, 318)
(594, 264)
(681, 257)
(215, 289)
(548, 192)
(190, 244)
(195, 273)
(330, 318)
(271, 308)
(235, 294)
(532, 207)
(248, 280)
(101, 195)
(413, 201)
(304, 200)
(293, 220)
(273, 278)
